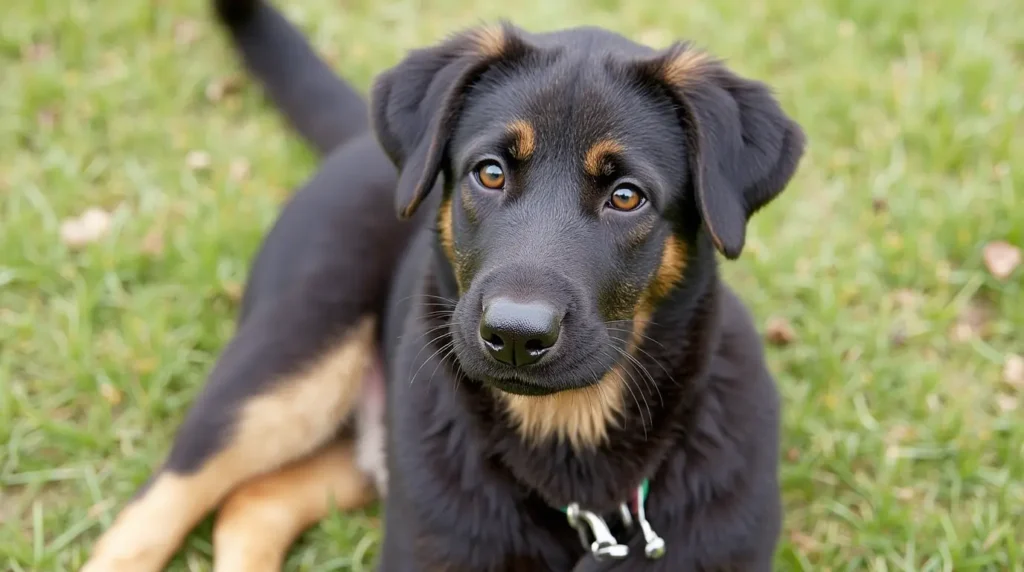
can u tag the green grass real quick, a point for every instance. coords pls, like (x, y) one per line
(903, 447)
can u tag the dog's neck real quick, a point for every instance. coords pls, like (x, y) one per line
(653, 420)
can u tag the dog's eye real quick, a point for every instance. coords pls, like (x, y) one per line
(626, 198)
(491, 175)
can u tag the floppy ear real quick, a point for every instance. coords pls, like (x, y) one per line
(415, 104)
(744, 148)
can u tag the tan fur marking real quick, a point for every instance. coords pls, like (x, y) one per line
(489, 40)
(467, 202)
(444, 223)
(272, 429)
(685, 66)
(596, 157)
(583, 416)
(259, 522)
(667, 275)
(524, 139)
(670, 270)
(580, 416)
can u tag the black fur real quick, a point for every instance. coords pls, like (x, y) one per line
(466, 491)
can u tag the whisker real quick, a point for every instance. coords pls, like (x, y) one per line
(436, 339)
(430, 297)
(655, 360)
(635, 333)
(644, 371)
(449, 347)
(647, 385)
(635, 400)
(430, 357)
(459, 374)
(438, 314)
(434, 329)
(631, 321)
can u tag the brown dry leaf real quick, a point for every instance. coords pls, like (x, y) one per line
(1007, 403)
(153, 242)
(805, 543)
(61, 414)
(962, 333)
(87, 228)
(972, 323)
(1001, 258)
(899, 433)
(47, 118)
(906, 298)
(239, 169)
(793, 455)
(186, 32)
(1013, 371)
(898, 337)
(779, 331)
(197, 160)
(879, 205)
(36, 52)
(110, 393)
(904, 493)
(233, 290)
(220, 87)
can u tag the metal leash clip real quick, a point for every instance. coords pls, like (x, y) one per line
(655, 547)
(605, 544)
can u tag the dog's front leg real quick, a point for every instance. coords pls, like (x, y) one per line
(280, 391)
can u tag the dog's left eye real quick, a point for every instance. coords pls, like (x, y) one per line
(490, 174)
(626, 198)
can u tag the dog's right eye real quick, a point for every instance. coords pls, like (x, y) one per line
(491, 175)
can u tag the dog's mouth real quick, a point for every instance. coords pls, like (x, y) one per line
(517, 387)
(569, 371)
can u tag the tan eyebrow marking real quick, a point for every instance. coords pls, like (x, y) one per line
(595, 160)
(524, 139)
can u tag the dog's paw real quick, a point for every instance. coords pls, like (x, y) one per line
(132, 545)
(125, 557)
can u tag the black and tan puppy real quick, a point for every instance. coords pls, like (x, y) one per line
(545, 313)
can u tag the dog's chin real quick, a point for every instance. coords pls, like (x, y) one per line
(516, 387)
(545, 380)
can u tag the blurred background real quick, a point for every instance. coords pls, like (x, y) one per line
(139, 168)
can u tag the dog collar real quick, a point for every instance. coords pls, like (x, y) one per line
(604, 545)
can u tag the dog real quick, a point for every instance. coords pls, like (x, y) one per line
(496, 306)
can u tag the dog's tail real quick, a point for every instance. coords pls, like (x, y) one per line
(322, 107)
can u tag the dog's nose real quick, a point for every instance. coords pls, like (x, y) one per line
(519, 334)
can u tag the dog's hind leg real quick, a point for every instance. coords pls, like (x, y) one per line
(258, 523)
(280, 391)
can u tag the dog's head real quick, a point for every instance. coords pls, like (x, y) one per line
(578, 171)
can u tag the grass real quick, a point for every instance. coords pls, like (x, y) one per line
(904, 447)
